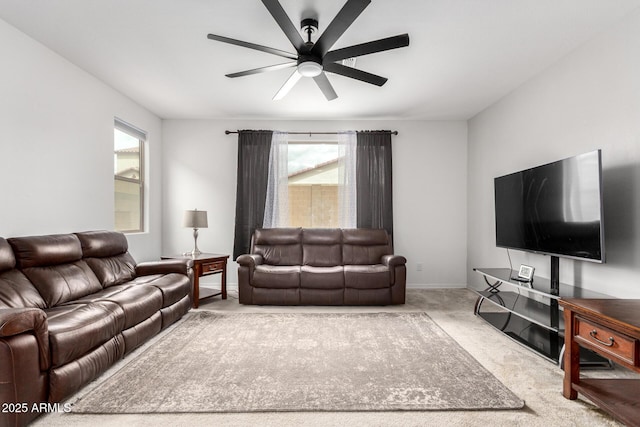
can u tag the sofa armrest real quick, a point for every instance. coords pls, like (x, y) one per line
(16, 321)
(165, 266)
(250, 261)
(393, 260)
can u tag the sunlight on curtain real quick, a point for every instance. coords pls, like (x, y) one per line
(276, 212)
(347, 196)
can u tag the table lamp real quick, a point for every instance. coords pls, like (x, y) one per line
(195, 219)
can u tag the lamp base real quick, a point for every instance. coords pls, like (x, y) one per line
(195, 252)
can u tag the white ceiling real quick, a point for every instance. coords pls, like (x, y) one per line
(463, 56)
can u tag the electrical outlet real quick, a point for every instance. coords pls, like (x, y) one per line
(419, 266)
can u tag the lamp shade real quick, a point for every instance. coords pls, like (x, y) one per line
(195, 219)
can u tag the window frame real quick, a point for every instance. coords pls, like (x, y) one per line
(141, 136)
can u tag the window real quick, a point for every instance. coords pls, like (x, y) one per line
(313, 184)
(129, 177)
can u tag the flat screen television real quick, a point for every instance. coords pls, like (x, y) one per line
(553, 209)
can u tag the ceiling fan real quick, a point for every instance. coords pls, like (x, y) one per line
(314, 59)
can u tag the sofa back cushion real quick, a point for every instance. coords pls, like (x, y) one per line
(7, 259)
(322, 247)
(55, 267)
(106, 252)
(15, 289)
(364, 246)
(278, 246)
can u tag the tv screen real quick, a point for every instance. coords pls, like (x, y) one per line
(554, 209)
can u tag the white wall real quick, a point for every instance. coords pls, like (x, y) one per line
(56, 146)
(588, 100)
(429, 181)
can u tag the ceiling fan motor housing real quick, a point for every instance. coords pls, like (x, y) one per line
(309, 65)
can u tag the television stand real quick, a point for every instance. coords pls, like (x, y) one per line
(529, 313)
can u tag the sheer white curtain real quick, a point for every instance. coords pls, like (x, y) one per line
(276, 211)
(347, 201)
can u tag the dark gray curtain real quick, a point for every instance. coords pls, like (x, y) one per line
(374, 184)
(251, 192)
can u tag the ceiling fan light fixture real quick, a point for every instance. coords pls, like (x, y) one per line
(316, 59)
(310, 68)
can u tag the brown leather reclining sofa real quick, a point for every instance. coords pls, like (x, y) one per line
(71, 305)
(296, 266)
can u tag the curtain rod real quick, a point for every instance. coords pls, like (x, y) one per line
(227, 132)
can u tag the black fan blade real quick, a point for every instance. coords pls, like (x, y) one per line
(325, 86)
(332, 67)
(290, 30)
(367, 48)
(262, 69)
(349, 12)
(252, 46)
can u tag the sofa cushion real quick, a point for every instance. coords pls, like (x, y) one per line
(364, 246)
(137, 302)
(278, 246)
(322, 247)
(42, 251)
(106, 252)
(367, 276)
(54, 265)
(59, 284)
(99, 295)
(75, 330)
(173, 286)
(113, 270)
(7, 259)
(100, 244)
(16, 291)
(321, 277)
(276, 277)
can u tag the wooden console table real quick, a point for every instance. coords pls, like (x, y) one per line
(611, 328)
(204, 265)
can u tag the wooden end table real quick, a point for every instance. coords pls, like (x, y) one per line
(206, 264)
(611, 328)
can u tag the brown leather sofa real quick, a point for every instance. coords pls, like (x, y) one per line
(296, 266)
(71, 305)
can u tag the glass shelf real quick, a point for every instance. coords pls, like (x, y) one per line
(534, 311)
(540, 285)
(543, 341)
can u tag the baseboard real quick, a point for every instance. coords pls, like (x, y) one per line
(436, 285)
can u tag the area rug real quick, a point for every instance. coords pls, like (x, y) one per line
(301, 362)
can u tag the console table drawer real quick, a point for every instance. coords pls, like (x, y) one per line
(606, 341)
(212, 267)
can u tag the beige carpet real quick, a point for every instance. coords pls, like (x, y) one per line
(301, 362)
(534, 379)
